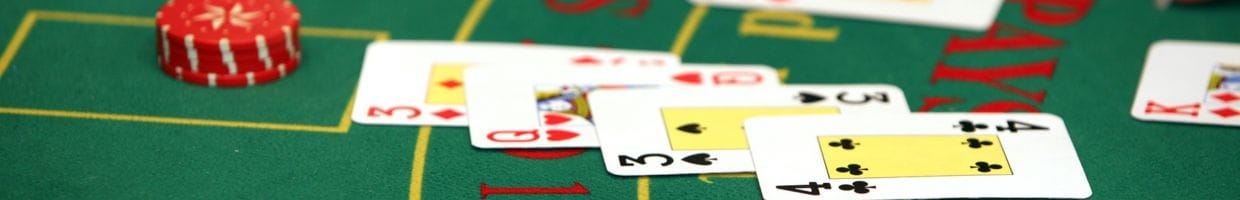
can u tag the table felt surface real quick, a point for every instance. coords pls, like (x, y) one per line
(86, 114)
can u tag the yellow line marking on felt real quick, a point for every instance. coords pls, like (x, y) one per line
(688, 28)
(383, 37)
(419, 162)
(343, 33)
(33, 16)
(16, 43)
(170, 120)
(346, 118)
(424, 133)
(471, 20)
(705, 178)
(643, 188)
(91, 18)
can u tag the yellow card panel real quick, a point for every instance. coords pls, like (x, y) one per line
(913, 156)
(719, 128)
(447, 84)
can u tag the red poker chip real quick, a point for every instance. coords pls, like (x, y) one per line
(239, 23)
(230, 80)
(215, 58)
(216, 53)
(197, 38)
(177, 42)
(272, 53)
(240, 64)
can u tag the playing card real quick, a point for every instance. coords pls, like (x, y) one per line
(420, 82)
(961, 14)
(1190, 82)
(515, 108)
(688, 131)
(917, 156)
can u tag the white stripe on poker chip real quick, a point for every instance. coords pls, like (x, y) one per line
(179, 72)
(262, 51)
(281, 68)
(211, 79)
(163, 39)
(267, 63)
(191, 53)
(288, 41)
(249, 78)
(227, 53)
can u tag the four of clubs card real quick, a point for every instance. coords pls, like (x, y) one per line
(1190, 82)
(421, 83)
(922, 155)
(515, 107)
(690, 131)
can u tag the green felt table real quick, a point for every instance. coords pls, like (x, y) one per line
(86, 114)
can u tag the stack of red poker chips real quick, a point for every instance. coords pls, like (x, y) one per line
(228, 43)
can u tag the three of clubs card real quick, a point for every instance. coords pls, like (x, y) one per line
(917, 156)
(973, 15)
(690, 131)
(514, 107)
(421, 83)
(1190, 82)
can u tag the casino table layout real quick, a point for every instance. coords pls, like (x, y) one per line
(86, 113)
